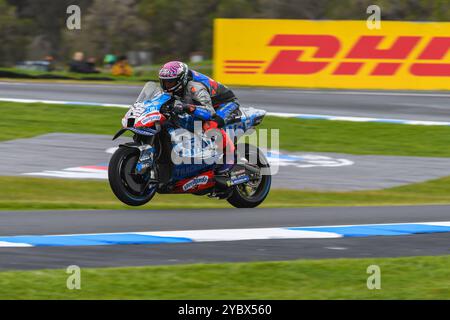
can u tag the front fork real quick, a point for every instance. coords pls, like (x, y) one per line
(146, 150)
(146, 158)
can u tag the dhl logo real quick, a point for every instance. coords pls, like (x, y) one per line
(289, 61)
(332, 54)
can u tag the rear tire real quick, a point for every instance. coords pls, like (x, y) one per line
(239, 198)
(123, 184)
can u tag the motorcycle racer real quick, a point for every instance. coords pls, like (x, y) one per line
(205, 99)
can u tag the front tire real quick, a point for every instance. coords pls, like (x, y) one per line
(127, 186)
(240, 197)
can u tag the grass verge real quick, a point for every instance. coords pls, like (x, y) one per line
(24, 193)
(401, 278)
(28, 120)
(361, 137)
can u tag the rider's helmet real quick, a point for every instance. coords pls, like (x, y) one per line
(173, 76)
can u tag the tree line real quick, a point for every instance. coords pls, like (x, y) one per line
(31, 29)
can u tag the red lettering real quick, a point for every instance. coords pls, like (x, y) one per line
(327, 46)
(348, 68)
(385, 69)
(287, 61)
(366, 48)
(431, 69)
(436, 49)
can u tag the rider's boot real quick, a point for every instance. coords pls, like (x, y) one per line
(228, 148)
(228, 155)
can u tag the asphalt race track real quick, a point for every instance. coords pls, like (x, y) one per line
(433, 106)
(349, 173)
(67, 222)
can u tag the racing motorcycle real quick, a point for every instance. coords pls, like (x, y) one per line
(151, 163)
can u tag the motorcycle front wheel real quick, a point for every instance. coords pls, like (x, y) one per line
(129, 187)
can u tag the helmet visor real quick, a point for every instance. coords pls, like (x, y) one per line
(169, 84)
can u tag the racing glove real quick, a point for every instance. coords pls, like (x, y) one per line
(180, 108)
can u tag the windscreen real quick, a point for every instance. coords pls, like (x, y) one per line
(150, 90)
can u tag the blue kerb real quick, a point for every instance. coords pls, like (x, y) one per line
(378, 230)
(93, 240)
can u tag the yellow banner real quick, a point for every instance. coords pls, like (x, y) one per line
(332, 54)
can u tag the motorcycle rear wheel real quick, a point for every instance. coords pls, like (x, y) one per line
(242, 197)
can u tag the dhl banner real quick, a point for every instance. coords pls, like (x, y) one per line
(332, 54)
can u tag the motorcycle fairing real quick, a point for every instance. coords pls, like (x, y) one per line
(156, 102)
(202, 181)
(182, 171)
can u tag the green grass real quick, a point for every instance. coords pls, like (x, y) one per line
(39, 193)
(401, 278)
(27, 120)
(361, 138)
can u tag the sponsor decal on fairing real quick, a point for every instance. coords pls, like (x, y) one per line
(200, 180)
